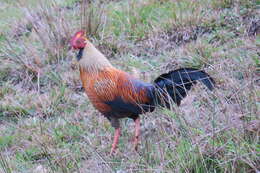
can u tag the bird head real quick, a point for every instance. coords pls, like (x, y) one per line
(78, 41)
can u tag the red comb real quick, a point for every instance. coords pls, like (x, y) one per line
(75, 37)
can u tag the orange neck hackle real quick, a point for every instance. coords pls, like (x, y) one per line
(92, 59)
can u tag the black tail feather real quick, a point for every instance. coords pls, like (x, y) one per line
(176, 84)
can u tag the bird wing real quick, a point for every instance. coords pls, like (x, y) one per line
(124, 94)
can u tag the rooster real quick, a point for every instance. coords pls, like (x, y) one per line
(117, 94)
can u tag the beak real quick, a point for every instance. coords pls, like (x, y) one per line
(85, 39)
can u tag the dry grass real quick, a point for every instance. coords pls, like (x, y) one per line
(48, 125)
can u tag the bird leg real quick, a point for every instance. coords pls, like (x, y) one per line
(137, 133)
(115, 142)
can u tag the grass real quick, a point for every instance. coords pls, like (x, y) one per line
(48, 125)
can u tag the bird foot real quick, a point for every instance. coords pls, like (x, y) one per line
(137, 133)
(115, 141)
(113, 152)
(136, 142)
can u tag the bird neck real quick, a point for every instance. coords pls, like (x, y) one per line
(92, 59)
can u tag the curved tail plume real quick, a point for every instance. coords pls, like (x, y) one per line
(175, 85)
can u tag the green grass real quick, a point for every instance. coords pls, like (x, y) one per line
(136, 24)
(8, 14)
(47, 123)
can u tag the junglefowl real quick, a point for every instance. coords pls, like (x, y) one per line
(117, 94)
